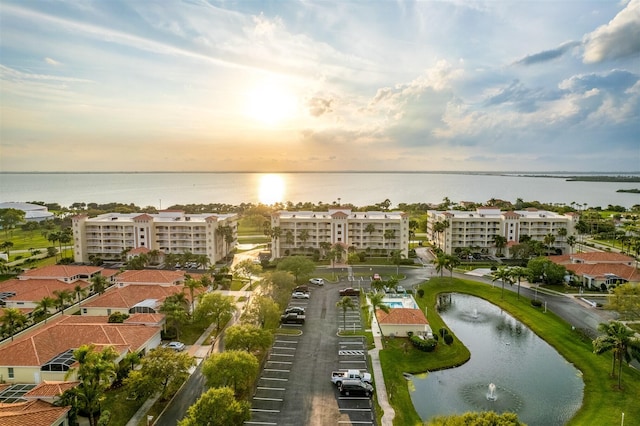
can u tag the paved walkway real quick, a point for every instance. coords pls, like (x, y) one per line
(381, 388)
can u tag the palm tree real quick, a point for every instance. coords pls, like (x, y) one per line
(44, 305)
(504, 275)
(375, 300)
(6, 246)
(192, 285)
(345, 303)
(53, 237)
(339, 250)
(549, 239)
(500, 242)
(389, 234)
(304, 236)
(441, 263)
(571, 241)
(451, 262)
(12, 319)
(370, 229)
(99, 283)
(62, 298)
(620, 340)
(396, 258)
(80, 293)
(518, 272)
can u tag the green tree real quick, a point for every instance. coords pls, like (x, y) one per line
(80, 292)
(344, 304)
(174, 308)
(99, 283)
(500, 243)
(248, 337)
(441, 262)
(504, 275)
(217, 407)
(236, 369)
(571, 241)
(63, 297)
(6, 246)
(44, 305)
(621, 341)
(298, 265)
(214, 308)
(451, 262)
(12, 319)
(262, 311)
(626, 301)
(396, 258)
(192, 285)
(95, 371)
(247, 269)
(9, 219)
(162, 370)
(517, 273)
(304, 236)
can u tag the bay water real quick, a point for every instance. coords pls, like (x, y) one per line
(163, 190)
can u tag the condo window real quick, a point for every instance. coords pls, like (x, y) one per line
(11, 375)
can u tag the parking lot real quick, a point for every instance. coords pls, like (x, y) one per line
(295, 385)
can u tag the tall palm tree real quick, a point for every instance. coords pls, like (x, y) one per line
(44, 305)
(504, 275)
(571, 241)
(548, 241)
(375, 301)
(12, 319)
(500, 242)
(451, 262)
(517, 273)
(396, 258)
(304, 236)
(345, 303)
(192, 285)
(621, 341)
(441, 263)
(62, 298)
(80, 293)
(99, 283)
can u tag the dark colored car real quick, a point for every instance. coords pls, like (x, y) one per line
(302, 288)
(292, 318)
(349, 292)
(355, 388)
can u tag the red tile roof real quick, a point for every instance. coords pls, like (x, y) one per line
(31, 413)
(600, 270)
(129, 295)
(401, 316)
(151, 276)
(33, 290)
(602, 256)
(70, 332)
(61, 271)
(49, 389)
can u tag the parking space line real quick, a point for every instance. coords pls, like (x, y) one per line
(268, 399)
(290, 355)
(287, 341)
(277, 371)
(284, 348)
(280, 362)
(275, 379)
(353, 422)
(355, 409)
(248, 422)
(260, 410)
(268, 388)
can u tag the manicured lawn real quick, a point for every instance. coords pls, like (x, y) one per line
(603, 403)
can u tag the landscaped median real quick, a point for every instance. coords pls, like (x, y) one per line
(602, 404)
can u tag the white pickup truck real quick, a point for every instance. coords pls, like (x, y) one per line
(338, 376)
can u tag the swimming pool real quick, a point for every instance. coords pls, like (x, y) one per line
(406, 302)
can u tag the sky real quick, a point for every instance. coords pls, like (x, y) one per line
(283, 85)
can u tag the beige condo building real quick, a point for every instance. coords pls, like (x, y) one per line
(477, 229)
(304, 231)
(108, 235)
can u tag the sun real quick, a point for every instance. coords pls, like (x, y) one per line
(271, 103)
(271, 189)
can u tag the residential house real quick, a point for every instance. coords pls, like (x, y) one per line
(46, 353)
(33, 413)
(600, 270)
(402, 321)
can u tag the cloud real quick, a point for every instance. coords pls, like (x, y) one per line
(318, 106)
(620, 38)
(51, 61)
(548, 55)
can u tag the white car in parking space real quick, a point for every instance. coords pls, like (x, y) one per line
(176, 346)
(299, 295)
(317, 281)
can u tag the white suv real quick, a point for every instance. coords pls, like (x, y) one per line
(317, 281)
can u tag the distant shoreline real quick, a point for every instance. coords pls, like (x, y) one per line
(569, 176)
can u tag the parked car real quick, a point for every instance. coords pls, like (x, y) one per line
(317, 281)
(355, 387)
(349, 291)
(299, 295)
(376, 277)
(294, 310)
(292, 318)
(400, 289)
(338, 376)
(176, 346)
(302, 288)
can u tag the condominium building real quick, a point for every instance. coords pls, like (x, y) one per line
(477, 229)
(302, 232)
(109, 235)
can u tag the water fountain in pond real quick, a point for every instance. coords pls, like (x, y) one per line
(496, 398)
(475, 313)
(473, 316)
(491, 395)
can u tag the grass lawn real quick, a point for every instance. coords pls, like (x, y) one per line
(602, 404)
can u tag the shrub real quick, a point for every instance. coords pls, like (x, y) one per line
(428, 345)
(536, 303)
(448, 339)
(420, 293)
(443, 332)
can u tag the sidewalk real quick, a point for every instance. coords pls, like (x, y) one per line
(381, 388)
